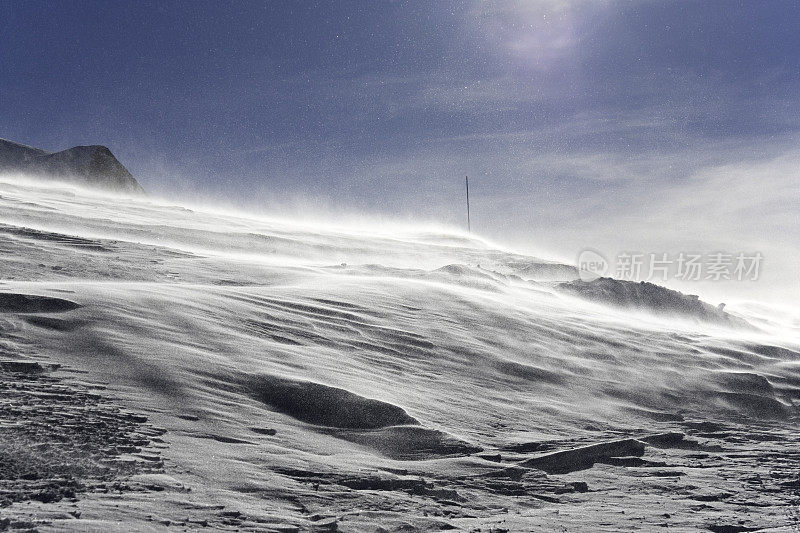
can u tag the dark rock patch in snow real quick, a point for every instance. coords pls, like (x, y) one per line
(643, 296)
(21, 367)
(665, 440)
(529, 447)
(270, 432)
(59, 439)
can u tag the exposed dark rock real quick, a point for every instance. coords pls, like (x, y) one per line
(528, 447)
(58, 439)
(664, 440)
(22, 367)
(575, 486)
(635, 462)
(649, 297)
(94, 166)
(265, 431)
(665, 473)
(727, 528)
(584, 457)
(705, 426)
(410, 485)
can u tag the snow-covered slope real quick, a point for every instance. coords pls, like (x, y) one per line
(93, 166)
(312, 376)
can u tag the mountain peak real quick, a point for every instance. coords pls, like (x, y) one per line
(92, 165)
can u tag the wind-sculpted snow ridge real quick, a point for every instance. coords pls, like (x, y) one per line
(309, 377)
(23, 303)
(326, 406)
(385, 428)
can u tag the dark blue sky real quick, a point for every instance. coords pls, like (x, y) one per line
(561, 110)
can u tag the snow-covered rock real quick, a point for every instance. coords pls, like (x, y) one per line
(651, 298)
(94, 166)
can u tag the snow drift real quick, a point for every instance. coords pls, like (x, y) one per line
(280, 356)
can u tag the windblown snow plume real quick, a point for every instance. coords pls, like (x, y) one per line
(207, 369)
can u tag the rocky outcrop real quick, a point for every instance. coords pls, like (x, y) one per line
(94, 166)
(643, 296)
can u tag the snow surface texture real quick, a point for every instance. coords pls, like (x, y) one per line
(278, 376)
(94, 166)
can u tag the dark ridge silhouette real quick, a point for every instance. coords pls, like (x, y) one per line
(94, 166)
(649, 297)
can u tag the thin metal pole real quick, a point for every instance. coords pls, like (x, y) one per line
(469, 225)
